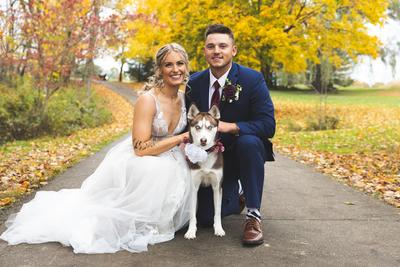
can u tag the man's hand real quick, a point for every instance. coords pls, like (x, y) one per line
(228, 127)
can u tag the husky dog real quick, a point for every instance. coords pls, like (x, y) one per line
(204, 156)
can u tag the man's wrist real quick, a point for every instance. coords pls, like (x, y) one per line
(235, 129)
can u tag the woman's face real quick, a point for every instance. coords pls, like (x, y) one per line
(173, 69)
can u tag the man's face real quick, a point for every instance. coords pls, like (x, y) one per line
(219, 50)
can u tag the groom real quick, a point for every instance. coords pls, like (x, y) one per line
(247, 121)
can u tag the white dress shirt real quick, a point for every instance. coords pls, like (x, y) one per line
(221, 82)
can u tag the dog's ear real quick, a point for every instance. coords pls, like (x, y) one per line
(193, 111)
(214, 111)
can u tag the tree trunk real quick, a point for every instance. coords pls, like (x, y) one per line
(268, 76)
(121, 70)
(92, 46)
(317, 81)
(322, 80)
(22, 71)
(139, 72)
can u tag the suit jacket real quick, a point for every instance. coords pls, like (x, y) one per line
(253, 112)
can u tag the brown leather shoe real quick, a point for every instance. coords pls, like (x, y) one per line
(252, 234)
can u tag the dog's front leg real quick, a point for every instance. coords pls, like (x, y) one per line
(191, 232)
(217, 190)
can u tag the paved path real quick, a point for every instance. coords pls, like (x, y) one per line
(306, 223)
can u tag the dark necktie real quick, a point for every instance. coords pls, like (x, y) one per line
(215, 96)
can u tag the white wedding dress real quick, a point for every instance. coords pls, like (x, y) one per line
(126, 204)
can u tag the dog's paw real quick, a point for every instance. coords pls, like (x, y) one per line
(218, 231)
(190, 234)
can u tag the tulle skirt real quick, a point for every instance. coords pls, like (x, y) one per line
(126, 204)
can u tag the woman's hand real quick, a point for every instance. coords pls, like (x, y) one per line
(183, 136)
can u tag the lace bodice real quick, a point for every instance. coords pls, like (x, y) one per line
(160, 126)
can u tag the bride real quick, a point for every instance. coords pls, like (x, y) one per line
(139, 193)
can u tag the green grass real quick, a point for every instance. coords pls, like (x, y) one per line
(363, 132)
(344, 96)
(345, 141)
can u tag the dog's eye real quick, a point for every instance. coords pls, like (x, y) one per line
(197, 127)
(209, 127)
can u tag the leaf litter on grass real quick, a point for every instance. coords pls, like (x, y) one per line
(27, 165)
(363, 152)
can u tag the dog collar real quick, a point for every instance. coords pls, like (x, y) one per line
(218, 147)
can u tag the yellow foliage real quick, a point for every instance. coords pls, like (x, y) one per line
(282, 34)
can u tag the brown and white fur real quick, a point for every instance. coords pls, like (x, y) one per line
(203, 133)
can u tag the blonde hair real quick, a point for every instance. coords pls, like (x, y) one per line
(156, 80)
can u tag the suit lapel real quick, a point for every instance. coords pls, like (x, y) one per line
(233, 77)
(234, 73)
(205, 84)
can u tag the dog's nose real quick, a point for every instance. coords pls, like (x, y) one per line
(203, 141)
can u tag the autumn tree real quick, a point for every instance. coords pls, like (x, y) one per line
(93, 32)
(271, 35)
(12, 47)
(54, 41)
(117, 35)
(49, 39)
(394, 9)
(390, 51)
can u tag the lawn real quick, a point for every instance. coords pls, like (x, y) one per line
(347, 96)
(361, 145)
(27, 165)
(362, 149)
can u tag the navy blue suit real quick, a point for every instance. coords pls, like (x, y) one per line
(246, 153)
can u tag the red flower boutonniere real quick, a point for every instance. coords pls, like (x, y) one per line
(231, 92)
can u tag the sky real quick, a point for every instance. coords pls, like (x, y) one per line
(374, 71)
(106, 63)
(367, 70)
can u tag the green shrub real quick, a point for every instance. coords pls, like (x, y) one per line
(70, 110)
(23, 115)
(322, 123)
(294, 126)
(19, 117)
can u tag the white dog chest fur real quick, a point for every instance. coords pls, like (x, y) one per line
(207, 173)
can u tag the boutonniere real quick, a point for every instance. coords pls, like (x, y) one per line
(230, 91)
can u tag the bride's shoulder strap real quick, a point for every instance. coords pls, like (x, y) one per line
(182, 97)
(154, 97)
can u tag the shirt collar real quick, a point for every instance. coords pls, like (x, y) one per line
(221, 79)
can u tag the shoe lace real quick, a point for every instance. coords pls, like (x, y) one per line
(252, 224)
